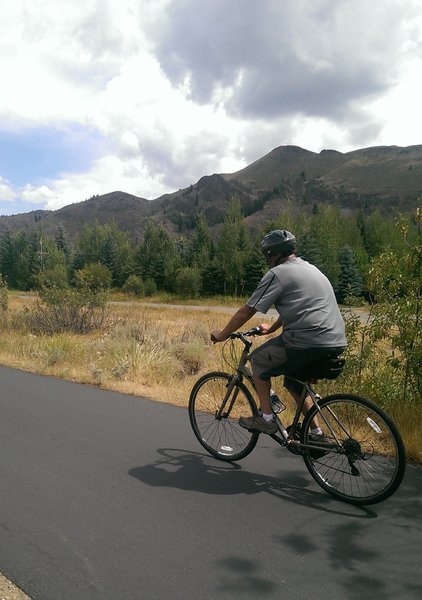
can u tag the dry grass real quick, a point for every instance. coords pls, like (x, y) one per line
(148, 351)
(155, 352)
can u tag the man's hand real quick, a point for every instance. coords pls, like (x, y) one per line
(264, 327)
(216, 336)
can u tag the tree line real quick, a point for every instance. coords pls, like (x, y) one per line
(343, 245)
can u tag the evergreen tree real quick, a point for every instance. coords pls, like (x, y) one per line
(107, 245)
(233, 249)
(201, 244)
(255, 268)
(309, 250)
(155, 256)
(7, 267)
(62, 242)
(213, 278)
(21, 262)
(350, 281)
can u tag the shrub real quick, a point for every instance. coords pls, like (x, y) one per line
(65, 310)
(188, 282)
(150, 287)
(192, 356)
(50, 278)
(95, 276)
(4, 297)
(134, 286)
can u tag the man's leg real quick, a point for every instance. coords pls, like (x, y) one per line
(263, 387)
(266, 422)
(306, 405)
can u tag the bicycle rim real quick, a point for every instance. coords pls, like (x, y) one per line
(368, 464)
(221, 436)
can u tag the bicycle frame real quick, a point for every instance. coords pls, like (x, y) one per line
(287, 437)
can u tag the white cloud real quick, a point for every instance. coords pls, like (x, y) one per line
(180, 89)
(7, 193)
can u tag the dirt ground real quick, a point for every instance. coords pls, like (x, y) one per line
(8, 591)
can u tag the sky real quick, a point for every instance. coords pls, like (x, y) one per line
(148, 96)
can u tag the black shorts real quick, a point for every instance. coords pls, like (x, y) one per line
(273, 358)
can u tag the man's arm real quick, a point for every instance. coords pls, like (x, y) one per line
(238, 319)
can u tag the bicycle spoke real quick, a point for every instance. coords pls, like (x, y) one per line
(369, 464)
(216, 429)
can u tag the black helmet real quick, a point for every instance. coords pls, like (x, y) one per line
(278, 241)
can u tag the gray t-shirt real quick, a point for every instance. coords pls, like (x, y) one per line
(304, 298)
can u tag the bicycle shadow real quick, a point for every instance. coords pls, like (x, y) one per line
(188, 470)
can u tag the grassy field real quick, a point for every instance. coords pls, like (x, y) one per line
(153, 351)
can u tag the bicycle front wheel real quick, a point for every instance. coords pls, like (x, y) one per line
(214, 415)
(364, 459)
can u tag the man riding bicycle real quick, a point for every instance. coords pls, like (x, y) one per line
(313, 328)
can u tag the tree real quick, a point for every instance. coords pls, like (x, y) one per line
(308, 249)
(201, 244)
(156, 257)
(107, 245)
(188, 282)
(21, 262)
(7, 266)
(62, 242)
(396, 283)
(213, 278)
(350, 280)
(233, 249)
(379, 233)
(254, 269)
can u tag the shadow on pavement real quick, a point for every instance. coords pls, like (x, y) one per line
(193, 471)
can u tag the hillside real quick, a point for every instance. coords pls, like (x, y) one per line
(387, 177)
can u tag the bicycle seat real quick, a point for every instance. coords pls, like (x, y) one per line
(327, 368)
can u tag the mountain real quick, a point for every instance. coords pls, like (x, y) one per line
(385, 177)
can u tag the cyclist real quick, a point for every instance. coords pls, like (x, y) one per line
(313, 327)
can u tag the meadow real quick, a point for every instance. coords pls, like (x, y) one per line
(158, 352)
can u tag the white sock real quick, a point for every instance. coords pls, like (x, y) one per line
(267, 418)
(316, 431)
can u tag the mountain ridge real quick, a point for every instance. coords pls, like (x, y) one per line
(388, 178)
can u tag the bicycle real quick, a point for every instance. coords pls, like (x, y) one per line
(363, 462)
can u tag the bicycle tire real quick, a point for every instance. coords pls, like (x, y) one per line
(370, 462)
(222, 437)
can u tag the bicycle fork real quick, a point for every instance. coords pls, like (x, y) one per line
(221, 413)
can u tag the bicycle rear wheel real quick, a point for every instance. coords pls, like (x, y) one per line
(220, 434)
(364, 460)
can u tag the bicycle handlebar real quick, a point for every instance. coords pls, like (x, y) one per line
(241, 334)
(250, 333)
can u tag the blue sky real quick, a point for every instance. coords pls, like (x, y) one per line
(148, 96)
(38, 154)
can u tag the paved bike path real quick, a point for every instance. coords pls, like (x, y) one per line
(107, 496)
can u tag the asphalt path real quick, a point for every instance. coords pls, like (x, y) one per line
(109, 496)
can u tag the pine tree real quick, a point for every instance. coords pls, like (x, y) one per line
(62, 242)
(349, 281)
(255, 268)
(7, 268)
(213, 278)
(154, 255)
(201, 245)
(309, 250)
(233, 248)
